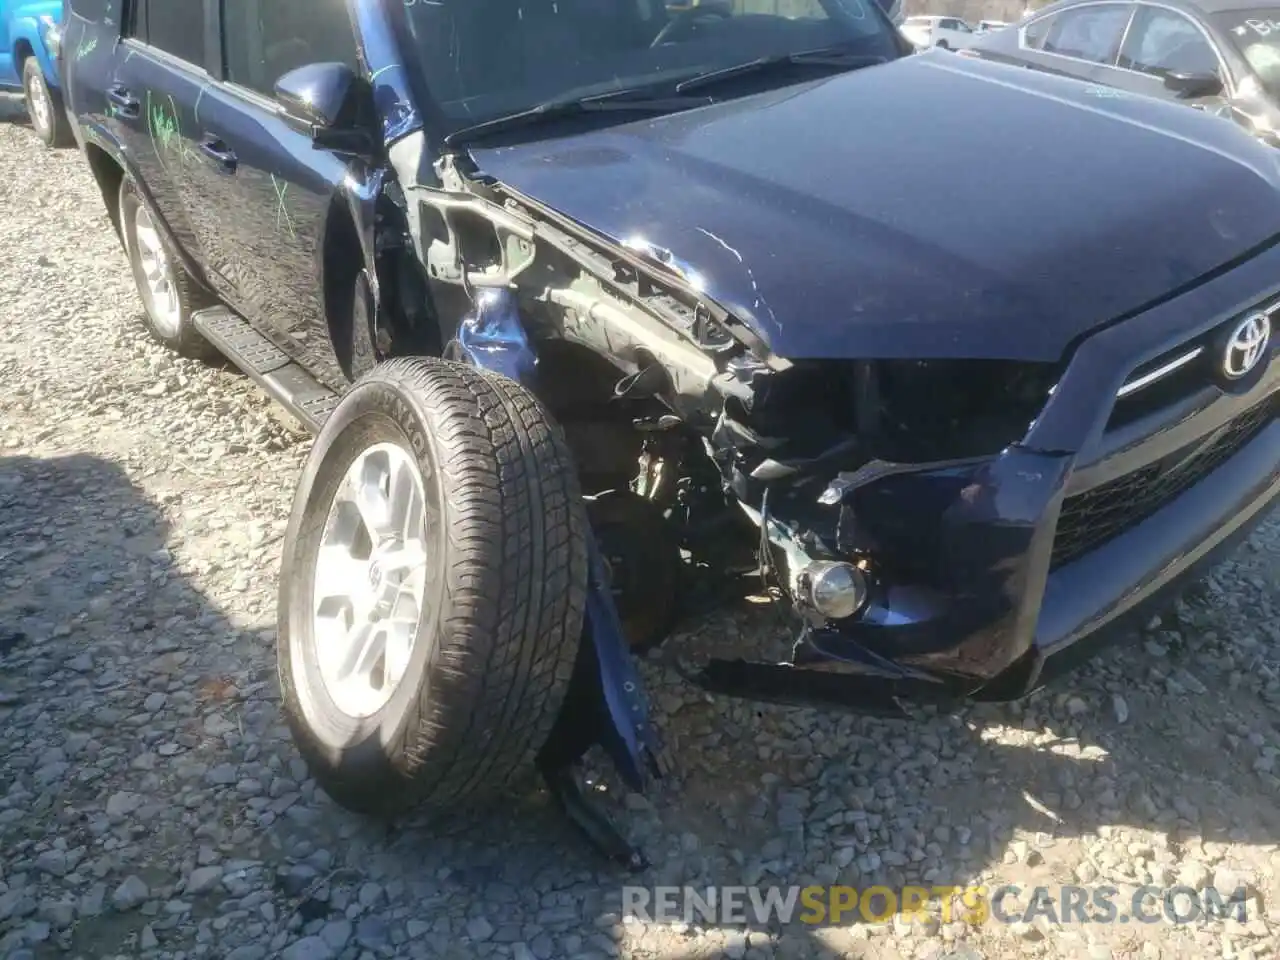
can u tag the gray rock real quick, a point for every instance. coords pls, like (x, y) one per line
(59, 914)
(308, 948)
(479, 929)
(53, 862)
(372, 933)
(203, 879)
(336, 933)
(122, 804)
(1120, 707)
(130, 894)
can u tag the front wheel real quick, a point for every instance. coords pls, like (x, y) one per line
(44, 107)
(943, 45)
(432, 590)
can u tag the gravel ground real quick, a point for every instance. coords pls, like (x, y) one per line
(151, 803)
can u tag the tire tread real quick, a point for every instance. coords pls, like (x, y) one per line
(516, 590)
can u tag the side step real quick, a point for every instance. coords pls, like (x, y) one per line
(287, 383)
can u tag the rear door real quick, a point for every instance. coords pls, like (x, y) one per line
(271, 191)
(1163, 41)
(153, 95)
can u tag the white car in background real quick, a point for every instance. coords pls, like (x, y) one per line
(989, 26)
(949, 33)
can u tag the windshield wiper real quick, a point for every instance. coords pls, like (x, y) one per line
(837, 57)
(551, 110)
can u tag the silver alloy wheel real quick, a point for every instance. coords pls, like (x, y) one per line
(161, 291)
(41, 105)
(370, 580)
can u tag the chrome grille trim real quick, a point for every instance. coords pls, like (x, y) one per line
(1147, 379)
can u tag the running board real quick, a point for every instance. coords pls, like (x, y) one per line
(261, 360)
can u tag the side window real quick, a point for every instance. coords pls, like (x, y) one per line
(1033, 33)
(1163, 42)
(1089, 33)
(264, 39)
(174, 26)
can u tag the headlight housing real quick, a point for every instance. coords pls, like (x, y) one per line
(945, 409)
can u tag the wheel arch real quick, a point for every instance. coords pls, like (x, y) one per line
(342, 258)
(22, 50)
(108, 173)
(28, 43)
(364, 232)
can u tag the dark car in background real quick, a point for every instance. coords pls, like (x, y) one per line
(709, 297)
(1221, 56)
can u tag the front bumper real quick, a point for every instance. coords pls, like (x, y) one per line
(983, 589)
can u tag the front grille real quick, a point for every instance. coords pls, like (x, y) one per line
(1177, 374)
(1090, 519)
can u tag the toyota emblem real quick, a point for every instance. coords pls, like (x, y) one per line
(1246, 346)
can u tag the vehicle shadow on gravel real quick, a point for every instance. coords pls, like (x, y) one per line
(142, 724)
(13, 109)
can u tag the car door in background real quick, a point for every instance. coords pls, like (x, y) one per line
(1083, 41)
(274, 188)
(1162, 42)
(158, 77)
(8, 70)
(1077, 41)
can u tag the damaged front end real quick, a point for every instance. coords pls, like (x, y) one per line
(902, 518)
(889, 504)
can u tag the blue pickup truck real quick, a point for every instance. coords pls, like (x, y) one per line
(30, 35)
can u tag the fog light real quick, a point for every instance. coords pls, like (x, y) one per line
(836, 590)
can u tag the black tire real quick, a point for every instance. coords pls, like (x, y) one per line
(182, 338)
(55, 132)
(490, 667)
(942, 45)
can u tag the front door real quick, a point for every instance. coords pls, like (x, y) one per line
(274, 190)
(1163, 41)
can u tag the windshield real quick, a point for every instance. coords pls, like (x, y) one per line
(488, 58)
(1256, 34)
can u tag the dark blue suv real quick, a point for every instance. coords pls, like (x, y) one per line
(605, 310)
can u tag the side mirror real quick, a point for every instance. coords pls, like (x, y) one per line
(334, 104)
(1191, 85)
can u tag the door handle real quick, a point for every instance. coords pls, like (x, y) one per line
(221, 154)
(125, 103)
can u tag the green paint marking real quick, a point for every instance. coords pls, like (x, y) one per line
(166, 133)
(86, 47)
(282, 211)
(381, 70)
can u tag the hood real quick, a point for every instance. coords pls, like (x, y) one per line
(936, 206)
